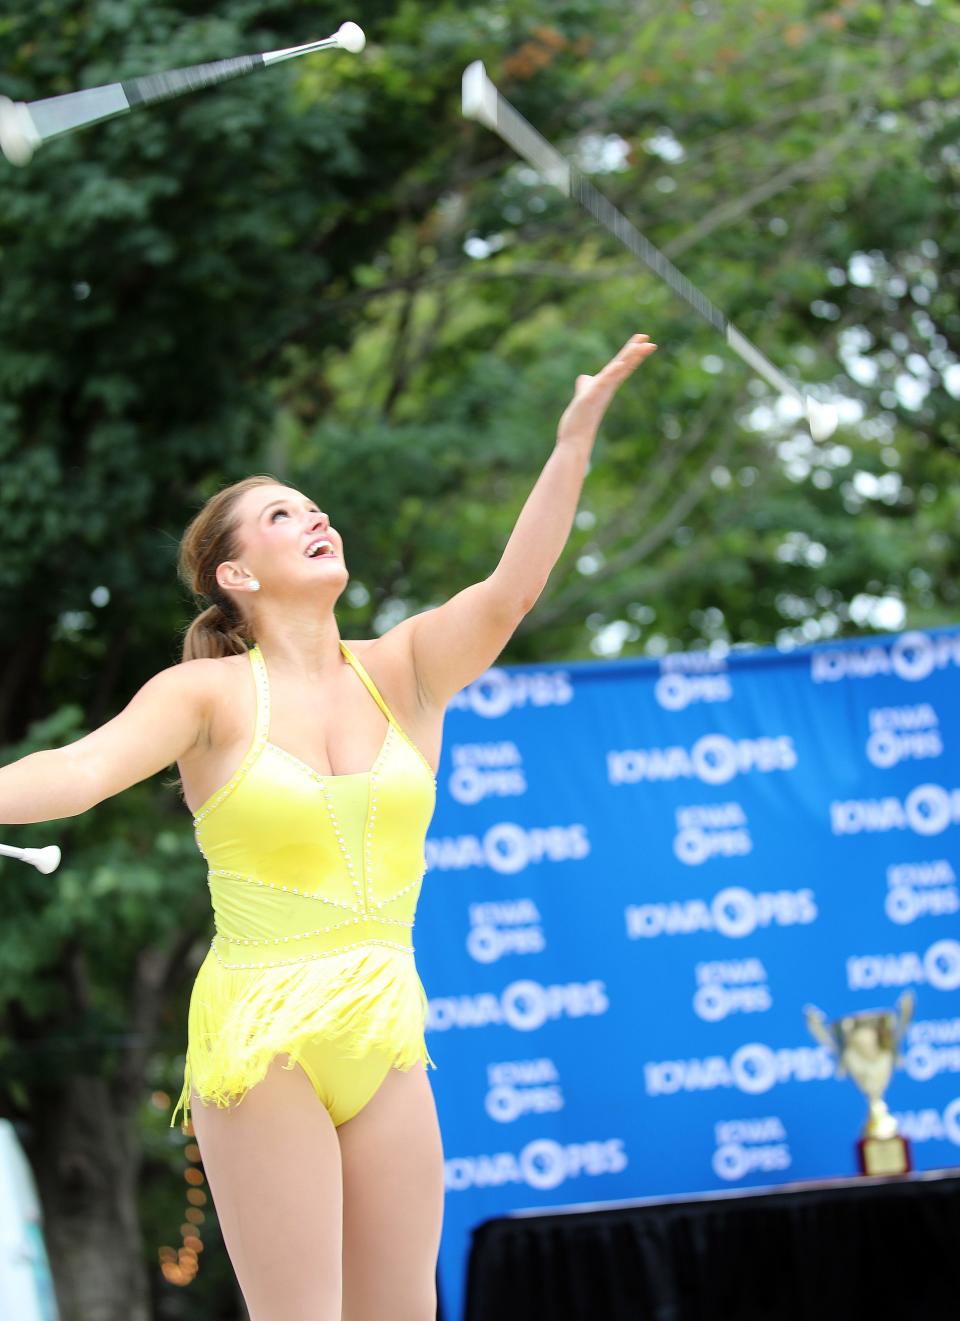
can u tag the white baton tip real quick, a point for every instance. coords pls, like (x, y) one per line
(476, 101)
(474, 90)
(45, 860)
(822, 418)
(18, 136)
(350, 37)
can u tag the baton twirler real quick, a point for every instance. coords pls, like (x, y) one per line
(26, 125)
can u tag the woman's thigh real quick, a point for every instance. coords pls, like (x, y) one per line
(272, 1161)
(392, 1202)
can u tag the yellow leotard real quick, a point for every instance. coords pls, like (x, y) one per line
(314, 881)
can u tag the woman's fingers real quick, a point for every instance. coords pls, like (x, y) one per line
(636, 349)
(592, 394)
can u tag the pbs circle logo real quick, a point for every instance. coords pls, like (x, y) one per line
(735, 912)
(941, 963)
(506, 848)
(754, 1068)
(491, 695)
(728, 1162)
(883, 748)
(711, 1002)
(715, 758)
(912, 657)
(951, 1121)
(467, 785)
(543, 1164)
(672, 692)
(525, 1006)
(928, 809)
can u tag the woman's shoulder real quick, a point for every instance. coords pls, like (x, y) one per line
(222, 691)
(212, 680)
(391, 650)
(211, 669)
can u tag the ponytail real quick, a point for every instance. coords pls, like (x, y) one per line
(213, 634)
(222, 629)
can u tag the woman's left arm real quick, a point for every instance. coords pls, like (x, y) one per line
(455, 643)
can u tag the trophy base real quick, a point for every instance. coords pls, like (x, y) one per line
(884, 1156)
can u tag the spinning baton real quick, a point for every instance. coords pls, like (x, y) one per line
(483, 102)
(26, 125)
(45, 860)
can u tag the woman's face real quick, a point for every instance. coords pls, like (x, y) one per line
(277, 526)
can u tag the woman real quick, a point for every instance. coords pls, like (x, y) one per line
(309, 766)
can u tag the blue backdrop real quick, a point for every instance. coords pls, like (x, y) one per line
(639, 873)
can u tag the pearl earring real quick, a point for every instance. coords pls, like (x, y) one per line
(253, 585)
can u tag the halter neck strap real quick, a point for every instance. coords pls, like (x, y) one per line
(262, 689)
(368, 682)
(262, 685)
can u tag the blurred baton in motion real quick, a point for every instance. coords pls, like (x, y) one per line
(26, 125)
(483, 101)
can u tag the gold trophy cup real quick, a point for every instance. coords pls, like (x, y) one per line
(867, 1046)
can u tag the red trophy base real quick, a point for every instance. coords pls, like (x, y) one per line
(884, 1156)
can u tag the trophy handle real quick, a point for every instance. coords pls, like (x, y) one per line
(905, 1007)
(819, 1027)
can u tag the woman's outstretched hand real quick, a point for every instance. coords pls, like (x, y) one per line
(592, 394)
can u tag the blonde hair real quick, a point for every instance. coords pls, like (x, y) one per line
(222, 629)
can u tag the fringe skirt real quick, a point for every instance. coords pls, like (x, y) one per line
(364, 998)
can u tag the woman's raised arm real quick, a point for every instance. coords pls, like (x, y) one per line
(453, 644)
(161, 722)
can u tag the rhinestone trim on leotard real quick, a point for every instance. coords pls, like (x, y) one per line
(261, 730)
(285, 963)
(317, 898)
(317, 931)
(368, 840)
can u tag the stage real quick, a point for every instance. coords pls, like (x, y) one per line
(861, 1249)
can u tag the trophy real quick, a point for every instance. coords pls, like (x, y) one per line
(868, 1047)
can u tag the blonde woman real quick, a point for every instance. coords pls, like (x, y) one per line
(309, 767)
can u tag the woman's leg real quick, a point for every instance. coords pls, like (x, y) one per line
(272, 1161)
(392, 1202)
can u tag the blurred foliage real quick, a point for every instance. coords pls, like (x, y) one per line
(323, 272)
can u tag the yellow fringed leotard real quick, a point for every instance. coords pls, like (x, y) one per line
(314, 881)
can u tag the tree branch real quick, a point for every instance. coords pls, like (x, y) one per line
(641, 548)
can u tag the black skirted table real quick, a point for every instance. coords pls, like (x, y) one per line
(846, 1250)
